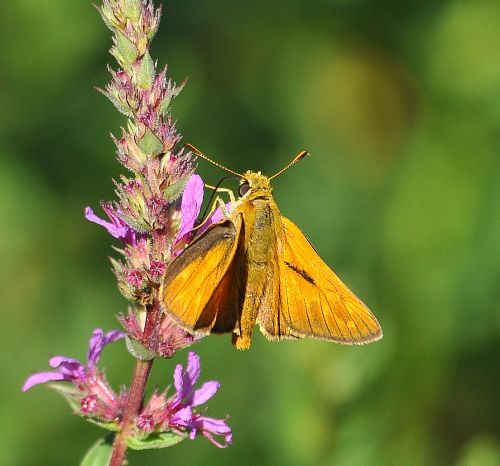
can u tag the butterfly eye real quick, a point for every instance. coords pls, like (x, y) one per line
(244, 187)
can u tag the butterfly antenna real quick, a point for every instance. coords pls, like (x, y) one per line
(298, 157)
(199, 153)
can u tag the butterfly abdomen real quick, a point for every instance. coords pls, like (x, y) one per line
(257, 217)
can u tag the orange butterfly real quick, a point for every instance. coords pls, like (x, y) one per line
(256, 266)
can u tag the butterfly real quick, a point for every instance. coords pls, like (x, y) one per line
(256, 266)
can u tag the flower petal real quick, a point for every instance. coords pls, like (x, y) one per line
(216, 217)
(42, 377)
(113, 230)
(116, 228)
(56, 361)
(192, 199)
(205, 392)
(69, 367)
(183, 417)
(216, 426)
(193, 367)
(209, 426)
(112, 336)
(184, 381)
(97, 343)
(178, 382)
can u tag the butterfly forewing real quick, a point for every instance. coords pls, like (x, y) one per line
(225, 305)
(198, 281)
(313, 300)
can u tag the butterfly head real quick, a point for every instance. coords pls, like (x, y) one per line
(254, 185)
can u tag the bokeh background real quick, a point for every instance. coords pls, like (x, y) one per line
(399, 103)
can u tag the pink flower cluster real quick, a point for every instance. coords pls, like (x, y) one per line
(91, 391)
(177, 412)
(158, 203)
(160, 199)
(93, 398)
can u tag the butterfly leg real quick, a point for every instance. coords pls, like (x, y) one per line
(228, 191)
(222, 206)
(241, 342)
(218, 203)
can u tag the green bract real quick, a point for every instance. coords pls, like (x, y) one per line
(161, 440)
(99, 454)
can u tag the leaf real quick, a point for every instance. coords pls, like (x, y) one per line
(108, 425)
(147, 72)
(99, 454)
(165, 104)
(138, 351)
(70, 394)
(132, 10)
(161, 440)
(150, 144)
(122, 107)
(174, 191)
(124, 50)
(107, 13)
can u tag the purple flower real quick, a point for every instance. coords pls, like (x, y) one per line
(90, 391)
(67, 369)
(98, 341)
(192, 198)
(117, 227)
(70, 370)
(187, 398)
(184, 382)
(209, 427)
(216, 217)
(178, 414)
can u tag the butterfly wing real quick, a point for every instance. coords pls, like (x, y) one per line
(198, 289)
(313, 301)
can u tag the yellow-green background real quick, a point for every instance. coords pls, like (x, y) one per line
(399, 103)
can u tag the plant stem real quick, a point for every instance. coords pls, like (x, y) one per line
(134, 402)
(136, 394)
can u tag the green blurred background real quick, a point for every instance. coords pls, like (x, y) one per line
(399, 103)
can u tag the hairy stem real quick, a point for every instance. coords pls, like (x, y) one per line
(136, 394)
